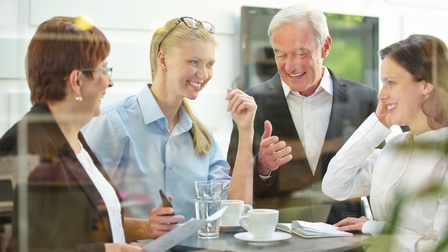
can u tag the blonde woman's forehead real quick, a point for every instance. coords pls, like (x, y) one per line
(196, 47)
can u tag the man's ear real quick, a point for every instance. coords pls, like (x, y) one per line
(326, 48)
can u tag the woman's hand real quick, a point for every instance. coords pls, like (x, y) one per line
(351, 224)
(382, 112)
(242, 107)
(118, 247)
(162, 221)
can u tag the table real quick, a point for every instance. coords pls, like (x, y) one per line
(227, 242)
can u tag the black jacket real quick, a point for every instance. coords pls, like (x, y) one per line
(63, 207)
(352, 103)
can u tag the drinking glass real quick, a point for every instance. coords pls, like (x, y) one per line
(207, 199)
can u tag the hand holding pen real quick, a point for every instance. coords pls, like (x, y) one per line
(163, 218)
(166, 202)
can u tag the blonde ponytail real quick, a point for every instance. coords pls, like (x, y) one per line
(202, 139)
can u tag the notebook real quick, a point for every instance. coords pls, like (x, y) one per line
(311, 229)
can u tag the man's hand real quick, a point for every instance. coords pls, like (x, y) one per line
(273, 153)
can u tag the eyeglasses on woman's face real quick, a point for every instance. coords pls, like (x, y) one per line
(106, 70)
(190, 23)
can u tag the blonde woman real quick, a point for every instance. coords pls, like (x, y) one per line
(153, 140)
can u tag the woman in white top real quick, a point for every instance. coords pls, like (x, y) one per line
(414, 73)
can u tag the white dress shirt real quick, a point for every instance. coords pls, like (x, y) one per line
(358, 169)
(311, 116)
(107, 193)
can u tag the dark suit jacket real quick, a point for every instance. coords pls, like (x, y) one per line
(352, 103)
(64, 207)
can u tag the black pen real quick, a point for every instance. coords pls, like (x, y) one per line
(165, 201)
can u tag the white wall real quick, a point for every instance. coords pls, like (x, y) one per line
(129, 26)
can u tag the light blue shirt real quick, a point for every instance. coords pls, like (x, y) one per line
(133, 143)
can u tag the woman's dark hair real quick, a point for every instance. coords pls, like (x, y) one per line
(425, 57)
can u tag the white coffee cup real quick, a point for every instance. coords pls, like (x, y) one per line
(261, 223)
(235, 209)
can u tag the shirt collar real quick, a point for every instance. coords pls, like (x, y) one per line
(151, 111)
(325, 84)
(437, 135)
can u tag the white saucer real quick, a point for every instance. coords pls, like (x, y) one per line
(277, 236)
(229, 226)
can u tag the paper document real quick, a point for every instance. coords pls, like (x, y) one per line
(175, 236)
(311, 229)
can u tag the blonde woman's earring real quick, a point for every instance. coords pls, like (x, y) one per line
(78, 98)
